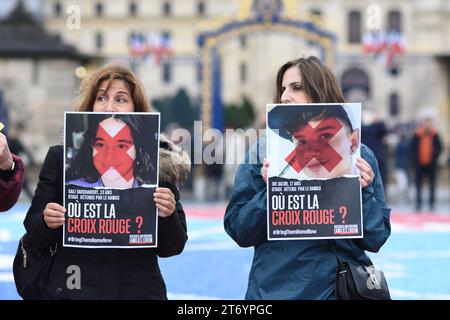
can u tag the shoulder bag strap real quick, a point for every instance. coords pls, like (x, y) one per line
(342, 275)
(333, 246)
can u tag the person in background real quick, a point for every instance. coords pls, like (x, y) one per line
(401, 158)
(426, 147)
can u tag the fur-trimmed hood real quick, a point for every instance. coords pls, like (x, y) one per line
(174, 163)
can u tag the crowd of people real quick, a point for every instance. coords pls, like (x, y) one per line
(408, 155)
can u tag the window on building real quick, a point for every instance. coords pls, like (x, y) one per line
(243, 72)
(99, 9)
(133, 9)
(394, 21)
(35, 73)
(57, 9)
(199, 72)
(166, 42)
(316, 12)
(243, 41)
(201, 9)
(167, 9)
(394, 105)
(99, 41)
(315, 15)
(354, 27)
(394, 70)
(167, 72)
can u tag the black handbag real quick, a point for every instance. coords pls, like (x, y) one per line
(31, 268)
(359, 282)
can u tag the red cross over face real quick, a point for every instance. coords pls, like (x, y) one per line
(114, 153)
(323, 149)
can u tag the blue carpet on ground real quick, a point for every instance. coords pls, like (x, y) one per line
(414, 259)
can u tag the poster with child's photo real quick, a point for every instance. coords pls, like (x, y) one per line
(313, 189)
(111, 172)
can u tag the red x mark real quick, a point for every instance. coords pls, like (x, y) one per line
(111, 151)
(314, 143)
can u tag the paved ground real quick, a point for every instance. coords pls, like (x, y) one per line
(415, 258)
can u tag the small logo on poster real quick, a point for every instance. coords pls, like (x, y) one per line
(141, 239)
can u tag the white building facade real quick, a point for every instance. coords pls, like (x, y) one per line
(415, 82)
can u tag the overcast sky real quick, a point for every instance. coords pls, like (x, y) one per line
(7, 5)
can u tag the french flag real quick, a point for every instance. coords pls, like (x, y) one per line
(137, 46)
(374, 42)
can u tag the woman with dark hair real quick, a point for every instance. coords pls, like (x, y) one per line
(306, 269)
(109, 273)
(121, 161)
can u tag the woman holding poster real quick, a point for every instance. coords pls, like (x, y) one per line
(301, 269)
(109, 273)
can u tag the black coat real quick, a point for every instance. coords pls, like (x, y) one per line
(105, 273)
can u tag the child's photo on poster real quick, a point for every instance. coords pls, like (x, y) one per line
(111, 150)
(315, 141)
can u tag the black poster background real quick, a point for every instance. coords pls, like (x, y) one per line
(334, 194)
